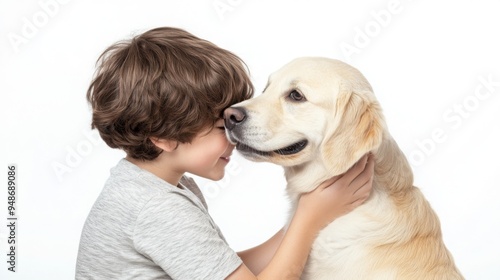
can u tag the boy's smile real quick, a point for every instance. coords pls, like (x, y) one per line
(208, 154)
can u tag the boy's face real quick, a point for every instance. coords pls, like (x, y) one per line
(208, 154)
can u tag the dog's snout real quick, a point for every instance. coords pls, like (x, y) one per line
(234, 116)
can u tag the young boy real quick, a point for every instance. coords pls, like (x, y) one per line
(160, 97)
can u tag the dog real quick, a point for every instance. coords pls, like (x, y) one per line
(317, 117)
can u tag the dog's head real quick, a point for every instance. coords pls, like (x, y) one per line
(312, 110)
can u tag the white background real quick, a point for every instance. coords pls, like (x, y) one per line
(425, 61)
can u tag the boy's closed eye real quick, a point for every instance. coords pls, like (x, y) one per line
(219, 124)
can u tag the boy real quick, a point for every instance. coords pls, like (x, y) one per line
(160, 98)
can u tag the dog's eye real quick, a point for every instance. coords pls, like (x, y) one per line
(296, 96)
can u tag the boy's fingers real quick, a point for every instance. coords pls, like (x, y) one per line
(356, 176)
(366, 177)
(362, 193)
(355, 170)
(365, 188)
(329, 182)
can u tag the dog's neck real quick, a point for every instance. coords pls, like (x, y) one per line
(392, 172)
(304, 178)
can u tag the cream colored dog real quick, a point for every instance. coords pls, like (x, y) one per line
(316, 118)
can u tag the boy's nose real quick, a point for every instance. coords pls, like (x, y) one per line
(234, 116)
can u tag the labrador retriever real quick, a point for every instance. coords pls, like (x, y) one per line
(317, 117)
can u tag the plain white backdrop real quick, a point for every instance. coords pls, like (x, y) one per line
(434, 66)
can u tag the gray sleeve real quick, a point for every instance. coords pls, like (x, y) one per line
(179, 237)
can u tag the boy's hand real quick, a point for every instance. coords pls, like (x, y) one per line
(338, 195)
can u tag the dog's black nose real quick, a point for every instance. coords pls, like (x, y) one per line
(234, 116)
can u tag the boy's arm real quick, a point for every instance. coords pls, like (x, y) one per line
(288, 261)
(315, 210)
(257, 258)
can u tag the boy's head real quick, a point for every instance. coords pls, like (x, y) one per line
(166, 84)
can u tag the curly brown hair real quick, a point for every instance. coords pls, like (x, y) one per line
(165, 83)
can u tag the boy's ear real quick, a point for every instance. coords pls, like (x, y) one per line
(164, 144)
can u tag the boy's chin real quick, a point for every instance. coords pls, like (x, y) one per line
(217, 177)
(212, 176)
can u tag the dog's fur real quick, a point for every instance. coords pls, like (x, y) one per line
(395, 234)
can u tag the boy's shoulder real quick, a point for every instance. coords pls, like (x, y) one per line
(190, 184)
(126, 174)
(130, 182)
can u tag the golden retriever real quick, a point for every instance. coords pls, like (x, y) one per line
(316, 118)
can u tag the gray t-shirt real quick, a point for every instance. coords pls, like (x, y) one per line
(141, 227)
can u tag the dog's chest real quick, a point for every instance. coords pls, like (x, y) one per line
(342, 249)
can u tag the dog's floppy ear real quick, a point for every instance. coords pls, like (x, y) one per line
(357, 128)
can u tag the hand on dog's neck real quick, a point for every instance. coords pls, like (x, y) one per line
(392, 172)
(304, 178)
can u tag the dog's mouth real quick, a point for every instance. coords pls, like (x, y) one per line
(288, 150)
